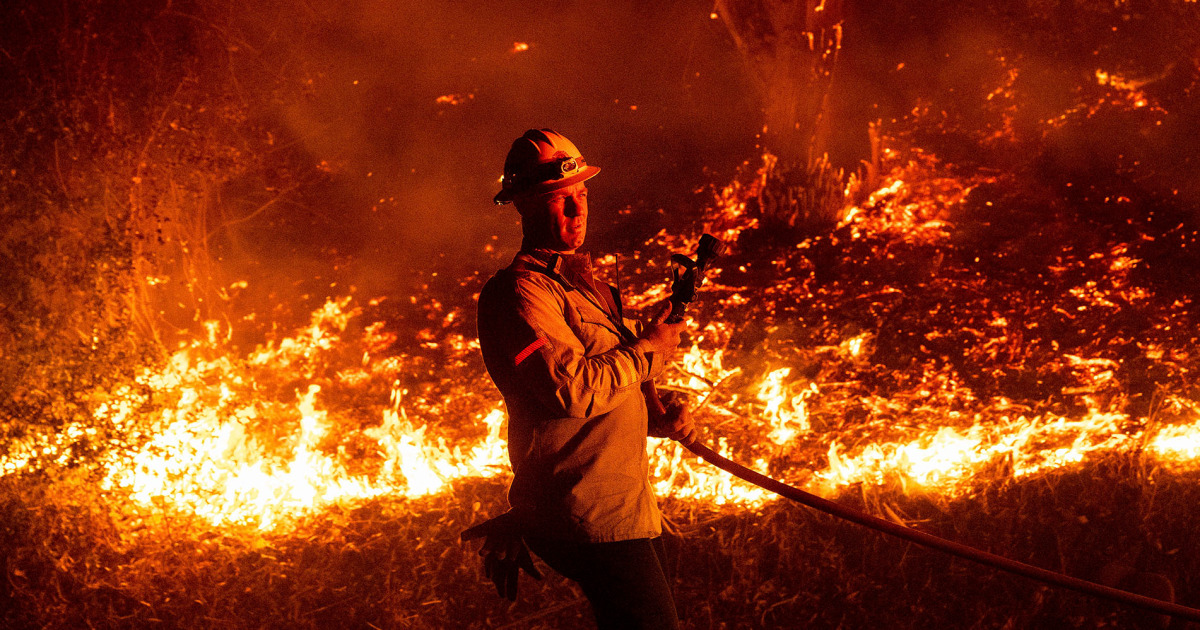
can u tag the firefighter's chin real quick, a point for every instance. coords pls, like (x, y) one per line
(573, 238)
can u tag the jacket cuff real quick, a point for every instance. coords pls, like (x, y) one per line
(653, 362)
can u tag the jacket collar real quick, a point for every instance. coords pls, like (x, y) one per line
(570, 270)
(565, 268)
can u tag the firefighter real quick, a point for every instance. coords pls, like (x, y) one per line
(570, 367)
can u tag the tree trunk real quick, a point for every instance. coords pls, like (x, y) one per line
(790, 49)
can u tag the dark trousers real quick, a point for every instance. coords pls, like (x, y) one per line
(625, 581)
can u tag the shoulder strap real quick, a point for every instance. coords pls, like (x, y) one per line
(553, 269)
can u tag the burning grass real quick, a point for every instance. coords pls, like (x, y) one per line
(927, 359)
(778, 566)
(1001, 356)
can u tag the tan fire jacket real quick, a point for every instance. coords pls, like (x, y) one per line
(577, 419)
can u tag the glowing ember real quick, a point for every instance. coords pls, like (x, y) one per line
(261, 440)
(454, 99)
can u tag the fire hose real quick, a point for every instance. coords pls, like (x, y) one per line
(941, 544)
(687, 276)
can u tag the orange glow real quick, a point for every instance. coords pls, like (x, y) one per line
(454, 99)
(203, 434)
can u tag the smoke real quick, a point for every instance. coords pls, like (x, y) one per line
(412, 107)
(360, 142)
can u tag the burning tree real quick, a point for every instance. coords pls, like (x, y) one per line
(132, 161)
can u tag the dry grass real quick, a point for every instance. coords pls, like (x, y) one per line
(99, 182)
(398, 564)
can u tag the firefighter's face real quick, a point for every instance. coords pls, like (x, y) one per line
(557, 219)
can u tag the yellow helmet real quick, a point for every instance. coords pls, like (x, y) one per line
(540, 161)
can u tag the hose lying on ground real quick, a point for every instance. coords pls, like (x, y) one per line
(941, 544)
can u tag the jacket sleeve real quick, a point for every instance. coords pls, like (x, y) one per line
(558, 372)
(657, 364)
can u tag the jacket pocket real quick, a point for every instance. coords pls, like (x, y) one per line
(591, 324)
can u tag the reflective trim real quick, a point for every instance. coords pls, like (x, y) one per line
(524, 354)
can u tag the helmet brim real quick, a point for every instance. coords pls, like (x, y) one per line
(508, 195)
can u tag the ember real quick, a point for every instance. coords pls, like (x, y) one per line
(454, 99)
(204, 452)
(982, 325)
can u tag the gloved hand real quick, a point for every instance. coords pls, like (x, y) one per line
(504, 553)
(676, 424)
(659, 336)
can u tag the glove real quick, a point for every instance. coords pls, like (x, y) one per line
(504, 553)
(676, 424)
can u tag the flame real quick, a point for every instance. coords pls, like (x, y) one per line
(946, 459)
(787, 414)
(212, 468)
(206, 454)
(1178, 445)
(689, 478)
(260, 440)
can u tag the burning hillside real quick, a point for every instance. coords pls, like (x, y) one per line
(894, 351)
(887, 351)
(986, 331)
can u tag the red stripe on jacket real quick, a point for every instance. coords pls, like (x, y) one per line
(524, 354)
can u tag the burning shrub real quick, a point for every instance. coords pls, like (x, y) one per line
(796, 201)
